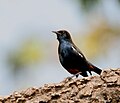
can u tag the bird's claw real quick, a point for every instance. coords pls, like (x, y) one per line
(76, 75)
(69, 78)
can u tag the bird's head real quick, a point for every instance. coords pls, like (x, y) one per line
(63, 35)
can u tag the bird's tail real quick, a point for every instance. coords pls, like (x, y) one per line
(95, 69)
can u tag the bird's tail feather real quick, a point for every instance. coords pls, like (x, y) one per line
(95, 69)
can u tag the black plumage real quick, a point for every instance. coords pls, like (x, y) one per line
(71, 57)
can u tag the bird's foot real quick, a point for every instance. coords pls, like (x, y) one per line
(77, 74)
(71, 77)
(67, 79)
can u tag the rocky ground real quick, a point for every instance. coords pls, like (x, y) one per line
(96, 89)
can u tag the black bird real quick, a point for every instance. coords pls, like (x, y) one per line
(71, 57)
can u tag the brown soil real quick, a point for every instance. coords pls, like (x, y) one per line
(96, 89)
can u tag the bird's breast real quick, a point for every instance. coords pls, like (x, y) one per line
(63, 52)
(69, 58)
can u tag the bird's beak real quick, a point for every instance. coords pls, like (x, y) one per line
(55, 32)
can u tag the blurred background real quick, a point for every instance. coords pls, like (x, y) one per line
(28, 48)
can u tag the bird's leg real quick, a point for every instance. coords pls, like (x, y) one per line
(76, 75)
(70, 77)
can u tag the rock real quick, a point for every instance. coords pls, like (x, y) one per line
(95, 89)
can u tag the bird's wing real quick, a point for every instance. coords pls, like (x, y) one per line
(82, 59)
(77, 52)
